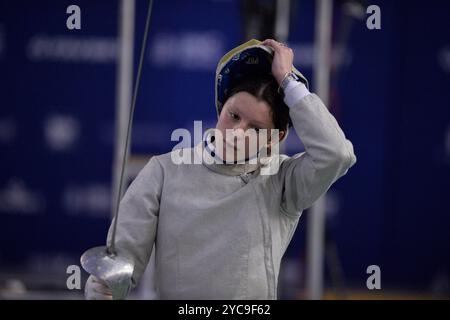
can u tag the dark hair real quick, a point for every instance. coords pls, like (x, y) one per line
(265, 88)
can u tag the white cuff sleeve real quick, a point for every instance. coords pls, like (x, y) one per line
(295, 91)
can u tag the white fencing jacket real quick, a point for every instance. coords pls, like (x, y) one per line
(220, 231)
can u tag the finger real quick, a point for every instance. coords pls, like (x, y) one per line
(274, 44)
(270, 42)
(92, 294)
(97, 280)
(96, 296)
(96, 288)
(101, 297)
(100, 282)
(102, 289)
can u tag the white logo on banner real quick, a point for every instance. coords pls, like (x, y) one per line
(191, 50)
(70, 49)
(61, 132)
(16, 197)
(92, 200)
(304, 55)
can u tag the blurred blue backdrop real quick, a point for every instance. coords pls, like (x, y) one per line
(390, 93)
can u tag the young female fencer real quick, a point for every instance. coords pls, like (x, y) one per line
(221, 225)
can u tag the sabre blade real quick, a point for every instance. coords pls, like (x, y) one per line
(105, 262)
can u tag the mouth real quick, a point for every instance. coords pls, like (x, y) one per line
(231, 145)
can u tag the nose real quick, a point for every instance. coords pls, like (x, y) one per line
(241, 127)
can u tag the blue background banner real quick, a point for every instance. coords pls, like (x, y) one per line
(390, 93)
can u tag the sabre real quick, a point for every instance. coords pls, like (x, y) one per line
(104, 262)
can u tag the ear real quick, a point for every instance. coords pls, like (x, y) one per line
(281, 136)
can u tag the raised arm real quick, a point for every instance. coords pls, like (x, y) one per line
(328, 155)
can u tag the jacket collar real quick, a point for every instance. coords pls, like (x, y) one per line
(214, 163)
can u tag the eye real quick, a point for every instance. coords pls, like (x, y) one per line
(233, 115)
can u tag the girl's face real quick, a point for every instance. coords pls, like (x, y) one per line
(240, 122)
